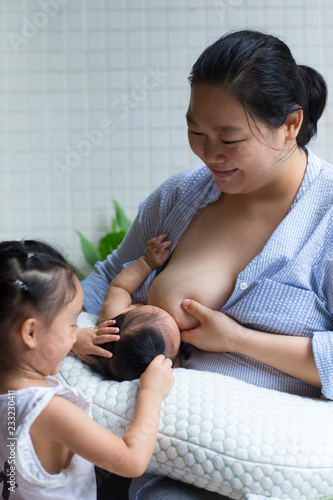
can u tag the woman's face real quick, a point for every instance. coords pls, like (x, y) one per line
(243, 156)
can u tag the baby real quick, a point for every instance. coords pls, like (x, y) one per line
(145, 331)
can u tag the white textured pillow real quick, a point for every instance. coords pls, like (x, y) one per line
(223, 434)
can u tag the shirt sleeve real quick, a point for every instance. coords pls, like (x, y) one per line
(322, 346)
(322, 341)
(148, 223)
(96, 284)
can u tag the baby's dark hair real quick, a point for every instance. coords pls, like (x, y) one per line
(140, 342)
(261, 72)
(35, 279)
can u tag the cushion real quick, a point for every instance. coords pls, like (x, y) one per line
(223, 434)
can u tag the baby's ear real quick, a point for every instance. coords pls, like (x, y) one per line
(29, 332)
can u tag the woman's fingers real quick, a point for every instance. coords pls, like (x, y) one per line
(197, 310)
(191, 336)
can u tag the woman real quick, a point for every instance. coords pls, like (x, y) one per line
(260, 208)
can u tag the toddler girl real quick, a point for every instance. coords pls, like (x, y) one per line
(48, 442)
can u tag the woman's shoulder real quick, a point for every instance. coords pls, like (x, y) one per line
(196, 174)
(180, 186)
(318, 166)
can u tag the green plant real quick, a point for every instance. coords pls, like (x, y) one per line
(119, 227)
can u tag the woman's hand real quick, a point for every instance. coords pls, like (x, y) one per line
(216, 332)
(89, 340)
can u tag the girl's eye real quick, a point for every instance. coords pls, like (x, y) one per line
(230, 142)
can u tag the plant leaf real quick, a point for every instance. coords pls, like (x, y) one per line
(121, 218)
(90, 252)
(79, 273)
(110, 242)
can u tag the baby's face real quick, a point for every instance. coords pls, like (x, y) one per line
(169, 330)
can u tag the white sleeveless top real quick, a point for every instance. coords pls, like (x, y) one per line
(21, 473)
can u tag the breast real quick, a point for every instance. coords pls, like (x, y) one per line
(217, 245)
(197, 279)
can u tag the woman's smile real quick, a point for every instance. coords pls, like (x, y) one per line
(223, 174)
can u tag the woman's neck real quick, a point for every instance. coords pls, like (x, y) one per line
(278, 194)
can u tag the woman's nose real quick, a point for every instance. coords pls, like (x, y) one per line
(213, 151)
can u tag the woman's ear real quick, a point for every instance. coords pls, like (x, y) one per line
(29, 331)
(293, 124)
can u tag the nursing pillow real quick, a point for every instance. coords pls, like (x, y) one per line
(223, 434)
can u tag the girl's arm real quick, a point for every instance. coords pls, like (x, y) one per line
(65, 423)
(289, 354)
(118, 298)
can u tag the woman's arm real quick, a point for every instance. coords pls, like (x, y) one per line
(65, 423)
(220, 333)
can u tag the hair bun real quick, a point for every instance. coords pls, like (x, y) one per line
(316, 97)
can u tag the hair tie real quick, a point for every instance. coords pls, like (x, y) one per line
(21, 284)
(30, 255)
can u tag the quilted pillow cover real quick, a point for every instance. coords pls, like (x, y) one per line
(223, 434)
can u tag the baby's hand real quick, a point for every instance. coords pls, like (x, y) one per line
(88, 340)
(157, 252)
(158, 377)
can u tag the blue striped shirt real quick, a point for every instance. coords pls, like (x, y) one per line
(287, 288)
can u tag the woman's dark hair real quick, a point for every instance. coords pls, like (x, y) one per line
(261, 72)
(34, 279)
(140, 342)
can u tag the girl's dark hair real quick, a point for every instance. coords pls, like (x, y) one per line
(261, 72)
(35, 279)
(140, 342)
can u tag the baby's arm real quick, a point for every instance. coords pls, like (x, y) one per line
(63, 422)
(118, 297)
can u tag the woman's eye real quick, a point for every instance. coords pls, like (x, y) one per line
(230, 142)
(195, 133)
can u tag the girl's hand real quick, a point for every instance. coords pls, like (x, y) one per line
(216, 332)
(88, 340)
(156, 252)
(158, 377)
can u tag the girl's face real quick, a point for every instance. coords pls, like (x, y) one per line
(243, 156)
(57, 339)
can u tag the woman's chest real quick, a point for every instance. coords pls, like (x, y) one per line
(205, 264)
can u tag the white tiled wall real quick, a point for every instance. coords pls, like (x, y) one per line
(93, 95)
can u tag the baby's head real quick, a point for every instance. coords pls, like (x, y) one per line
(35, 282)
(145, 332)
